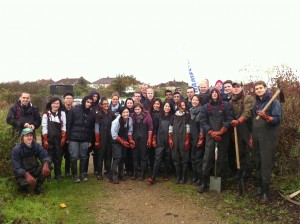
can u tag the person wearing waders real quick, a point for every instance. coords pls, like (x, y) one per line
(215, 118)
(68, 104)
(25, 165)
(104, 118)
(142, 135)
(264, 131)
(242, 107)
(129, 102)
(92, 150)
(54, 133)
(121, 133)
(179, 141)
(160, 141)
(80, 126)
(155, 111)
(197, 141)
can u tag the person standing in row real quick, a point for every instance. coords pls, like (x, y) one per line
(204, 91)
(25, 165)
(104, 118)
(54, 133)
(142, 135)
(160, 141)
(115, 105)
(190, 92)
(197, 141)
(23, 115)
(129, 103)
(80, 126)
(242, 107)
(68, 104)
(121, 133)
(264, 131)
(179, 141)
(215, 118)
(155, 111)
(149, 99)
(92, 150)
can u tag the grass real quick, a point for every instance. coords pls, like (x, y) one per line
(246, 209)
(45, 208)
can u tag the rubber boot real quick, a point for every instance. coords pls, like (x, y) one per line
(259, 190)
(178, 174)
(121, 172)
(184, 175)
(204, 186)
(74, 172)
(195, 176)
(155, 171)
(143, 171)
(264, 199)
(114, 176)
(199, 181)
(82, 168)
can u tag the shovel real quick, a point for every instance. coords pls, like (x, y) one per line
(240, 178)
(215, 182)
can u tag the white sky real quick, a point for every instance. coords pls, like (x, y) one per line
(151, 40)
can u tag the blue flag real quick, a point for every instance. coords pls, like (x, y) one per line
(193, 82)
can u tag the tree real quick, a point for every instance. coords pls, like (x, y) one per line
(121, 82)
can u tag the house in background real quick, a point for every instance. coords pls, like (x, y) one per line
(71, 81)
(103, 82)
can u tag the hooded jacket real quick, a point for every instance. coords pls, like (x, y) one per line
(80, 123)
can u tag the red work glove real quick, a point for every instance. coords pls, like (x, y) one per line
(149, 141)
(154, 141)
(250, 141)
(212, 133)
(221, 132)
(131, 142)
(45, 170)
(63, 138)
(45, 141)
(187, 143)
(30, 179)
(218, 138)
(265, 117)
(240, 120)
(200, 140)
(123, 142)
(170, 140)
(97, 141)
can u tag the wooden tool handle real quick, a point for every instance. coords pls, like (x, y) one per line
(269, 103)
(238, 165)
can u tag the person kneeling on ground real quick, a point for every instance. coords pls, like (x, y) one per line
(26, 168)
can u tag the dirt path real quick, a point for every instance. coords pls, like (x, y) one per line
(138, 202)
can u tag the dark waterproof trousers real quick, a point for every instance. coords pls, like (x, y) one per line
(118, 154)
(264, 143)
(54, 150)
(31, 165)
(104, 155)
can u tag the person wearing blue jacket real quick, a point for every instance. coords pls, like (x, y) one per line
(264, 133)
(215, 118)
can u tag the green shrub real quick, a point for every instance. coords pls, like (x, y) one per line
(6, 144)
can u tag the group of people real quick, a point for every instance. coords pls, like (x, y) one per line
(148, 135)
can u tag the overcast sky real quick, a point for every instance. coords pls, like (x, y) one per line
(151, 40)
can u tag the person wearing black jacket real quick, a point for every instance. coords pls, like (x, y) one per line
(24, 115)
(104, 118)
(160, 141)
(80, 126)
(92, 150)
(25, 165)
